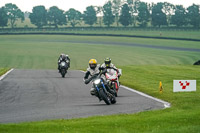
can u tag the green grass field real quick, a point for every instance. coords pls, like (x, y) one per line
(143, 69)
(42, 51)
(172, 33)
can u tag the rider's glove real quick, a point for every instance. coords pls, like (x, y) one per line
(86, 81)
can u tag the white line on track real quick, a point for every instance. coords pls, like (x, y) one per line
(82, 71)
(166, 104)
(3, 76)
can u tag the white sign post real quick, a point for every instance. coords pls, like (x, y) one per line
(184, 85)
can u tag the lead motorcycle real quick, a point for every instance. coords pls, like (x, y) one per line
(63, 67)
(112, 79)
(101, 91)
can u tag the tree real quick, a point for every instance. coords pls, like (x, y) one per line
(38, 16)
(3, 17)
(125, 17)
(73, 16)
(158, 16)
(56, 16)
(108, 17)
(116, 6)
(133, 6)
(179, 18)
(143, 14)
(193, 15)
(90, 16)
(168, 9)
(14, 13)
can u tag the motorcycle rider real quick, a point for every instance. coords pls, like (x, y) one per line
(107, 64)
(94, 69)
(63, 57)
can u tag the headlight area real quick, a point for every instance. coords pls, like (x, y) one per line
(97, 81)
(62, 63)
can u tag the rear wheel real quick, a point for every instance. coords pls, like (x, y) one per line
(115, 90)
(113, 99)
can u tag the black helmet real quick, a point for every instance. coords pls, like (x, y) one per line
(63, 56)
(107, 61)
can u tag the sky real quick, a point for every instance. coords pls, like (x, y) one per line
(80, 5)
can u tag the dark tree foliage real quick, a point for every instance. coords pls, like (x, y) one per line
(14, 13)
(116, 7)
(179, 18)
(158, 16)
(56, 17)
(108, 17)
(90, 16)
(3, 17)
(125, 17)
(193, 15)
(169, 10)
(133, 6)
(143, 14)
(38, 16)
(73, 16)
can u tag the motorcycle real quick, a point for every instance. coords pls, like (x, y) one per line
(112, 79)
(63, 67)
(101, 91)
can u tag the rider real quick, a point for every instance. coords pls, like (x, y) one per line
(107, 64)
(63, 57)
(94, 69)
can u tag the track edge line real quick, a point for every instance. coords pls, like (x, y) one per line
(166, 104)
(4, 75)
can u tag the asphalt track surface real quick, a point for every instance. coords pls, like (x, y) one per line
(35, 95)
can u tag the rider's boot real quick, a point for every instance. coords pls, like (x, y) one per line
(94, 93)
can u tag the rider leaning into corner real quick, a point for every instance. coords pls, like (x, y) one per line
(63, 57)
(94, 69)
(107, 64)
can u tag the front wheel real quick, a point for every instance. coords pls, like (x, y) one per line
(104, 97)
(63, 72)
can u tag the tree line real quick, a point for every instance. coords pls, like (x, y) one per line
(125, 12)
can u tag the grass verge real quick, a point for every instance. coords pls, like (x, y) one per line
(3, 71)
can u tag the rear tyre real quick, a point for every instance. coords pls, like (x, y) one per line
(115, 90)
(113, 100)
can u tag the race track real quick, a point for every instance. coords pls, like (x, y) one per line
(34, 95)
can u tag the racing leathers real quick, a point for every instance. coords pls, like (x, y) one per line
(91, 72)
(63, 58)
(111, 66)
